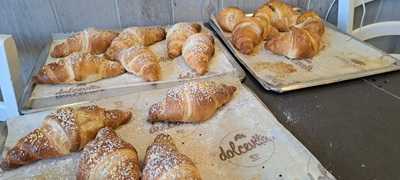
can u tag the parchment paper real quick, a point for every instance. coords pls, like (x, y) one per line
(271, 151)
(172, 72)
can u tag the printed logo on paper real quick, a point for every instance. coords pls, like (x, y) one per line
(246, 147)
(78, 91)
(181, 129)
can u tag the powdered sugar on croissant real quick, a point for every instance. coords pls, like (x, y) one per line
(108, 157)
(67, 130)
(198, 51)
(164, 161)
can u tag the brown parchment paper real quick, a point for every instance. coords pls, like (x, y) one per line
(243, 140)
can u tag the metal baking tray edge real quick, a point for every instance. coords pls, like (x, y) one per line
(24, 101)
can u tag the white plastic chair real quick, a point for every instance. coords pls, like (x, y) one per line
(379, 29)
(10, 78)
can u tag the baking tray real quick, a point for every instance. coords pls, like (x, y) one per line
(38, 97)
(343, 57)
(277, 155)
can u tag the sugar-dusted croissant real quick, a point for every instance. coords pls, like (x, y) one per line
(247, 34)
(229, 17)
(298, 43)
(133, 37)
(67, 130)
(177, 35)
(142, 62)
(78, 68)
(191, 102)
(108, 157)
(164, 161)
(198, 51)
(88, 41)
(284, 15)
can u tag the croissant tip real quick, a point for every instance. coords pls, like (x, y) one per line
(41, 79)
(154, 112)
(104, 131)
(116, 118)
(4, 165)
(231, 89)
(245, 46)
(197, 27)
(57, 51)
(126, 116)
(172, 54)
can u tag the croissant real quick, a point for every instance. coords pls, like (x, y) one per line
(229, 17)
(297, 43)
(197, 51)
(192, 102)
(142, 62)
(164, 161)
(133, 37)
(284, 15)
(78, 68)
(108, 157)
(302, 41)
(247, 34)
(62, 132)
(311, 22)
(88, 41)
(177, 35)
(265, 13)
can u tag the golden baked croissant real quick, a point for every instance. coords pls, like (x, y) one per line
(229, 17)
(247, 34)
(88, 41)
(133, 37)
(108, 157)
(142, 62)
(265, 13)
(78, 68)
(302, 41)
(62, 132)
(198, 51)
(177, 35)
(284, 15)
(311, 22)
(297, 43)
(191, 102)
(164, 161)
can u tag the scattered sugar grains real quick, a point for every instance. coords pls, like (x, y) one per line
(65, 117)
(201, 90)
